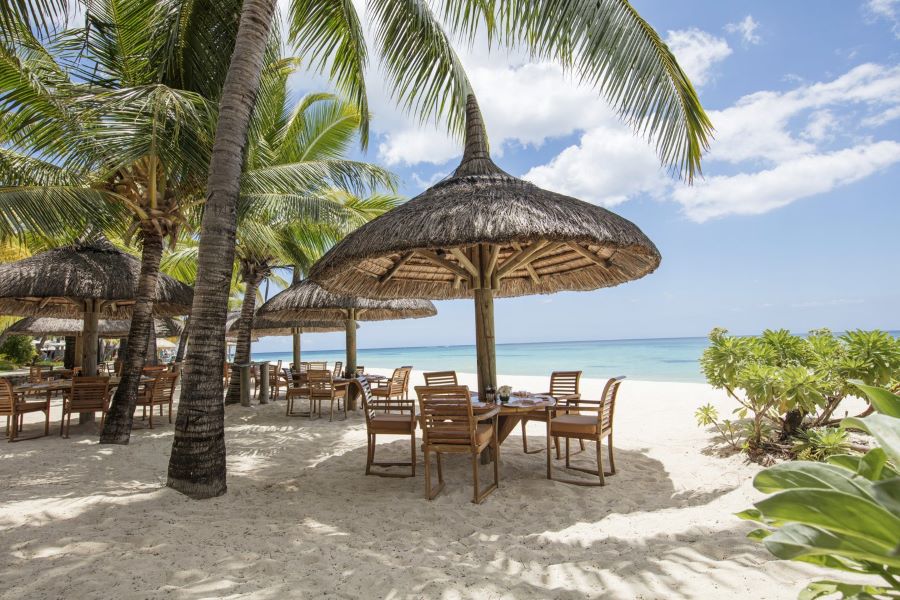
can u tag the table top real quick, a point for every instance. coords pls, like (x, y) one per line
(517, 404)
(62, 384)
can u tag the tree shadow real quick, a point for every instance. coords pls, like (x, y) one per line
(301, 518)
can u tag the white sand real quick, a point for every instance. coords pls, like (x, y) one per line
(300, 519)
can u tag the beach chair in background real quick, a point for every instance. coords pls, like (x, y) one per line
(159, 392)
(87, 394)
(590, 420)
(277, 380)
(395, 387)
(565, 387)
(436, 378)
(449, 425)
(322, 389)
(15, 406)
(338, 370)
(388, 417)
(297, 391)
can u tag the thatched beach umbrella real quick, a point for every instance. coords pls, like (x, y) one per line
(307, 300)
(86, 280)
(106, 328)
(264, 326)
(482, 233)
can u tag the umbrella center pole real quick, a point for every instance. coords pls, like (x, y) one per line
(350, 325)
(89, 346)
(484, 285)
(295, 335)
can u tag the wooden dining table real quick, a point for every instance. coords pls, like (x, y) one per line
(514, 410)
(60, 385)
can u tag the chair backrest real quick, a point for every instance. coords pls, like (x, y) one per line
(7, 396)
(153, 370)
(436, 378)
(445, 414)
(118, 366)
(163, 388)
(35, 375)
(76, 372)
(565, 383)
(89, 393)
(360, 370)
(321, 383)
(304, 367)
(398, 381)
(320, 365)
(102, 369)
(608, 407)
(338, 367)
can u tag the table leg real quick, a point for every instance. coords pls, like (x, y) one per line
(505, 426)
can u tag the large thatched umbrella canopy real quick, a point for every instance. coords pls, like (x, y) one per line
(106, 328)
(87, 280)
(307, 300)
(482, 233)
(264, 326)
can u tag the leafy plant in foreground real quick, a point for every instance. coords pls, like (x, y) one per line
(844, 514)
(819, 444)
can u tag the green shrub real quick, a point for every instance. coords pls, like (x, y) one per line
(784, 382)
(844, 514)
(18, 349)
(822, 443)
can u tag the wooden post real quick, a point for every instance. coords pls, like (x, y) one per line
(350, 362)
(245, 385)
(264, 383)
(295, 334)
(484, 321)
(79, 350)
(90, 335)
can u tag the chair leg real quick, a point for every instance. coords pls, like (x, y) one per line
(556, 443)
(151, 415)
(412, 448)
(549, 456)
(370, 452)
(567, 453)
(11, 435)
(496, 443)
(475, 461)
(612, 461)
(47, 420)
(600, 462)
(524, 438)
(170, 411)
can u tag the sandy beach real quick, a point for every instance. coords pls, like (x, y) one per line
(300, 519)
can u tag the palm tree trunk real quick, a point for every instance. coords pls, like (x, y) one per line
(117, 429)
(152, 352)
(197, 462)
(182, 341)
(244, 338)
(69, 352)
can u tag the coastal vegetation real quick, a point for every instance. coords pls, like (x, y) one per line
(789, 388)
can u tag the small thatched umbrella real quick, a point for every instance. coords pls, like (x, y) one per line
(482, 233)
(87, 280)
(106, 328)
(264, 326)
(307, 300)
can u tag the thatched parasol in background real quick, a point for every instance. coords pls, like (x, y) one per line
(87, 280)
(482, 233)
(307, 300)
(106, 328)
(263, 326)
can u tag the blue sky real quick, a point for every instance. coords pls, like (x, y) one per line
(795, 223)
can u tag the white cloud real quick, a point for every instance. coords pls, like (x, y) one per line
(820, 125)
(889, 10)
(697, 52)
(609, 165)
(746, 27)
(760, 192)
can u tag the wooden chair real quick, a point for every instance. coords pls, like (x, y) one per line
(277, 380)
(360, 370)
(565, 387)
(88, 394)
(159, 392)
(449, 425)
(15, 406)
(436, 378)
(154, 370)
(338, 370)
(388, 417)
(298, 390)
(319, 365)
(35, 374)
(578, 422)
(395, 387)
(322, 388)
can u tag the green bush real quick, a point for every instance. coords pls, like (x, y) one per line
(843, 515)
(18, 349)
(785, 383)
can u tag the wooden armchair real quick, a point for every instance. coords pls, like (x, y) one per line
(154, 370)
(565, 387)
(395, 387)
(437, 378)
(159, 392)
(322, 388)
(277, 380)
(588, 420)
(14, 407)
(88, 394)
(298, 390)
(449, 425)
(388, 417)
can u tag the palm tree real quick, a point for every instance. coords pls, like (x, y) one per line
(604, 42)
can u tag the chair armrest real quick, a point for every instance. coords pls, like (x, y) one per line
(583, 406)
(488, 415)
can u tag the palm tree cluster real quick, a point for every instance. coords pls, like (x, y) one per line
(170, 112)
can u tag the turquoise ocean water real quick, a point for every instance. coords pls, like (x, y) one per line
(674, 359)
